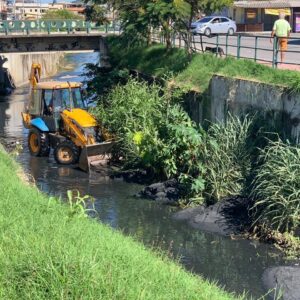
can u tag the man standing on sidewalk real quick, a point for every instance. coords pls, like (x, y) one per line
(282, 30)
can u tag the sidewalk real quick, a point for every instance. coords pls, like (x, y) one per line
(294, 35)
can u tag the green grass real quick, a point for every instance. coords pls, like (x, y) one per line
(47, 252)
(196, 71)
(153, 60)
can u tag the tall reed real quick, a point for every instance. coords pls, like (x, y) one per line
(227, 158)
(276, 187)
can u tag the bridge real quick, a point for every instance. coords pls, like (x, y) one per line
(52, 35)
(38, 42)
(45, 41)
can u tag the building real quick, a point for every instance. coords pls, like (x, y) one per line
(6, 9)
(3, 9)
(29, 11)
(76, 7)
(32, 10)
(260, 15)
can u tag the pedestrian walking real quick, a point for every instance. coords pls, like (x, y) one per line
(282, 30)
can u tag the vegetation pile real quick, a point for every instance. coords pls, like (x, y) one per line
(50, 250)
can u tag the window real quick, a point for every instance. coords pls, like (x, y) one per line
(61, 99)
(48, 97)
(251, 15)
(224, 20)
(205, 20)
(35, 10)
(34, 104)
(216, 21)
(77, 98)
(47, 102)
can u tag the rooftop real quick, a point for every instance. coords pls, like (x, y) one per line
(267, 3)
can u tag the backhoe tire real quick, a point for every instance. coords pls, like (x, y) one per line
(66, 153)
(38, 142)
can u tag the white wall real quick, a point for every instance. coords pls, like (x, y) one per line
(19, 64)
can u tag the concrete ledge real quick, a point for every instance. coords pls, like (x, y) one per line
(278, 105)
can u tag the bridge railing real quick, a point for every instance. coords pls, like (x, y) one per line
(53, 26)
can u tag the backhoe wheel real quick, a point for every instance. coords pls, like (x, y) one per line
(66, 153)
(38, 143)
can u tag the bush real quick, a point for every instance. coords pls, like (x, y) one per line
(61, 14)
(154, 132)
(133, 113)
(101, 80)
(276, 188)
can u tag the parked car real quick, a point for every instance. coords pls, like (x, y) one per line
(214, 25)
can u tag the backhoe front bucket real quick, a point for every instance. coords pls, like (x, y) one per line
(94, 155)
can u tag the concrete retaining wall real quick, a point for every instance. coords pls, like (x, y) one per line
(278, 105)
(19, 64)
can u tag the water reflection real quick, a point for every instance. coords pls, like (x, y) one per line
(237, 264)
(10, 114)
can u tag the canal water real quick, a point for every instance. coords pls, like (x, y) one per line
(237, 265)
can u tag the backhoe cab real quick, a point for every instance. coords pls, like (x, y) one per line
(57, 118)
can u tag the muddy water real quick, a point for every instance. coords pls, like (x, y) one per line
(236, 264)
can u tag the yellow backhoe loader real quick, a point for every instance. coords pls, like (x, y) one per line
(57, 117)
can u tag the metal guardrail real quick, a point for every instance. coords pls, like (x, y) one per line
(51, 26)
(253, 47)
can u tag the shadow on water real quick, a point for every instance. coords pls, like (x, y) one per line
(236, 264)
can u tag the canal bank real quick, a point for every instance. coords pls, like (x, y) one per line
(51, 250)
(216, 87)
(236, 264)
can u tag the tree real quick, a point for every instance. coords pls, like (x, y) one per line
(61, 14)
(96, 13)
(170, 16)
(191, 8)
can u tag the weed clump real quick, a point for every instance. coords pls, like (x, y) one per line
(276, 187)
(226, 156)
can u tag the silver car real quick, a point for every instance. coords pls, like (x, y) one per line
(214, 25)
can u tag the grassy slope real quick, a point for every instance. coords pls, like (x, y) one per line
(195, 72)
(45, 253)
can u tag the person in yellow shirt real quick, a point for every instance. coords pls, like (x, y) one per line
(282, 30)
